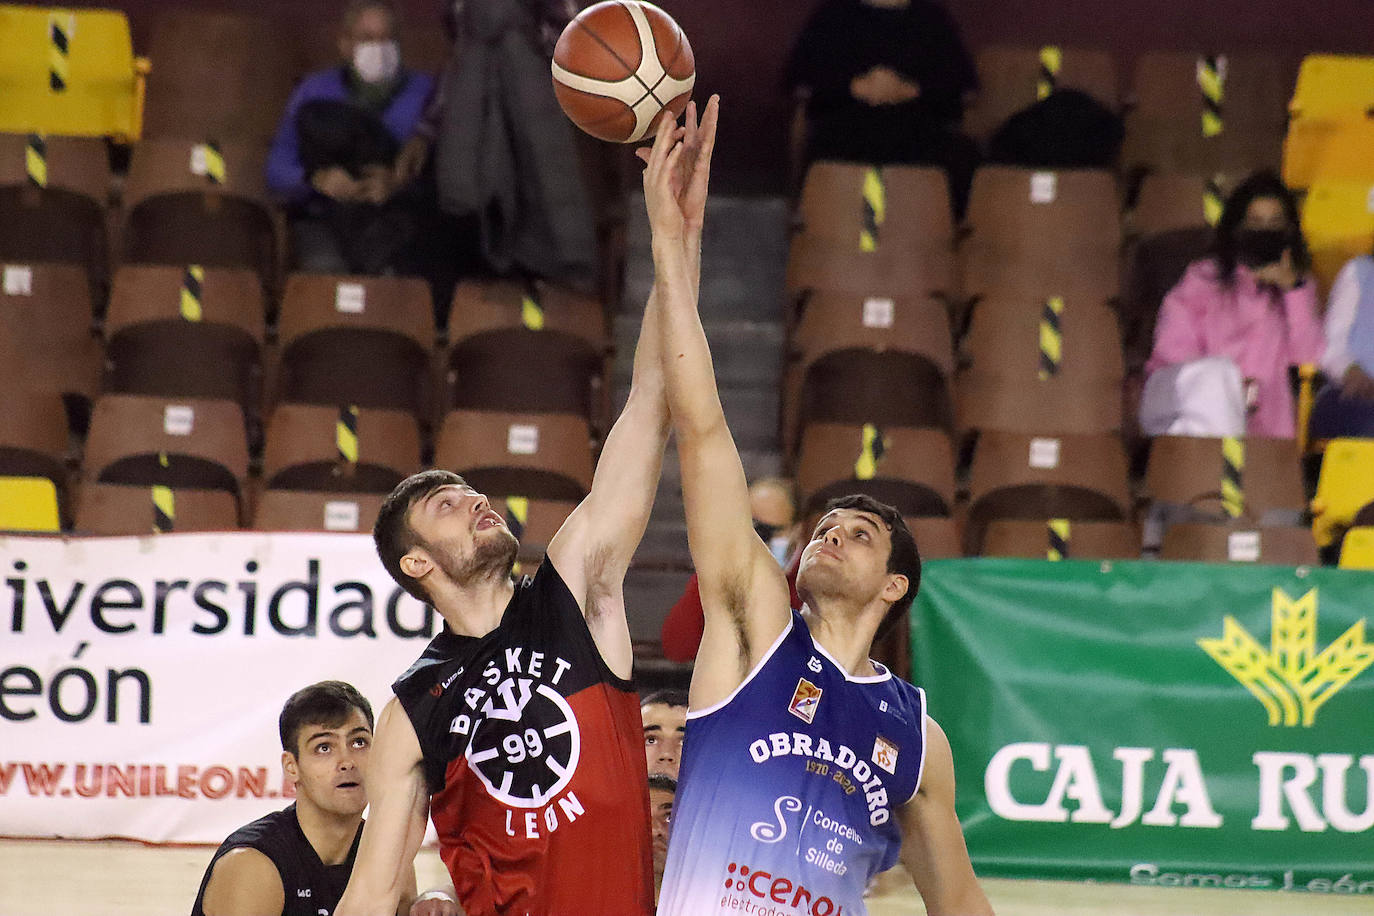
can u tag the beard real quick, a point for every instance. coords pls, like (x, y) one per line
(491, 558)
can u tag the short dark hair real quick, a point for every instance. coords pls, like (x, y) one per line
(1266, 183)
(663, 781)
(328, 703)
(903, 558)
(393, 535)
(669, 696)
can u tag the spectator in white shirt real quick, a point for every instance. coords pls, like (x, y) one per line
(1345, 407)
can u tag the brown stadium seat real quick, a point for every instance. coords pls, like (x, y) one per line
(1280, 545)
(1164, 129)
(356, 340)
(538, 456)
(339, 449)
(500, 329)
(880, 359)
(937, 537)
(1021, 476)
(534, 522)
(1033, 368)
(53, 193)
(199, 201)
(864, 229)
(910, 469)
(127, 509)
(33, 437)
(219, 75)
(46, 339)
(182, 442)
(1066, 540)
(1189, 471)
(1057, 230)
(188, 331)
(1013, 78)
(305, 510)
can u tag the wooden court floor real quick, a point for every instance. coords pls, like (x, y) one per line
(57, 878)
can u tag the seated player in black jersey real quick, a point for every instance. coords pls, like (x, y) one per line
(665, 721)
(295, 862)
(518, 728)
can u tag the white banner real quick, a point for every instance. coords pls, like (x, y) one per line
(141, 678)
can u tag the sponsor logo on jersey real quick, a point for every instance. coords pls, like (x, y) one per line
(302, 892)
(744, 885)
(805, 699)
(885, 754)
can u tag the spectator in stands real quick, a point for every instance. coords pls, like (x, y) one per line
(1345, 407)
(332, 163)
(665, 724)
(1229, 330)
(662, 792)
(304, 853)
(773, 503)
(884, 81)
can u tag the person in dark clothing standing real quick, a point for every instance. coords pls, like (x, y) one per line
(296, 862)
(885, 81)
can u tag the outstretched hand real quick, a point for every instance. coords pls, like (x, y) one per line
(678, 170)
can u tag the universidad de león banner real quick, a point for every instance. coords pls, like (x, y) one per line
(1157, 723)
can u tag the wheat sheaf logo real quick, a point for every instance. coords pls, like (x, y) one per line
(1292, 680)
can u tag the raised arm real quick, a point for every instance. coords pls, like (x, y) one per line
(933, 849)
(744, 596)
(384, 868)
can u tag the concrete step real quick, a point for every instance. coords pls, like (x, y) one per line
(744, 352)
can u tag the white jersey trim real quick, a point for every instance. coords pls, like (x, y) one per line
(921, 768)
(883, 675)
(699, 713)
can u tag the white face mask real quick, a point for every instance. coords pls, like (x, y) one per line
(377, 61)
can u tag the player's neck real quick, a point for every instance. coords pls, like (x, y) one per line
(843, 633)
(330, 835)
(474, 609)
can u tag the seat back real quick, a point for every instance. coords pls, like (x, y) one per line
(29, 505)
(1333, 87)
(1280, 546)
(534, 522)
(33, 436)
(190, 443)
(339, 449)
(304, 510)
(909, 469)
(1061, 539)
(45, 328)
(1014, 78)
(1345, 485)
(124, 509)
(80, 165)
(1191, 471)
(540, 456)
(1338, 224)
(1357, 549)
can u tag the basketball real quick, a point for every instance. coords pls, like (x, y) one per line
(618, 65)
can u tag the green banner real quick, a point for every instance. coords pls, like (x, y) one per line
(1156, 723)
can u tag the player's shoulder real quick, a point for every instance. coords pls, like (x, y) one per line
(241, 875)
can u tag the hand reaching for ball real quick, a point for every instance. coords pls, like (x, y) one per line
(678, 171)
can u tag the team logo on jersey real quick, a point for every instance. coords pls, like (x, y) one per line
(885, 754)
(805, 699)
(814, 664)
(527, 747)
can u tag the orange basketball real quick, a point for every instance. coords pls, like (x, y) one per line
(618, 65)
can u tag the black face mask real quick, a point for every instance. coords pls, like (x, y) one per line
(1257, 247)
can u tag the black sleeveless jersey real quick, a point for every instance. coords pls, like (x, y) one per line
(311, 888)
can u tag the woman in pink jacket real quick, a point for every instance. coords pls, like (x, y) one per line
(1229, 330)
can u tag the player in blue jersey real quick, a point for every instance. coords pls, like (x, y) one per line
(808, 768)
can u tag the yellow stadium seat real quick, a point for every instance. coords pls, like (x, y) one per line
(1338, 221)
(1357, 550)
(1333, 88)
(28, 504)
(69, 72)
(1329, 132)
(1345, 486)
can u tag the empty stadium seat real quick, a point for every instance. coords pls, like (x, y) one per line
(1047, 367)
(128, 509)
(199, 201)
(1190, 471)
(339, 449)
(356, 340)
(1208, 113)
(1011, 79)
(1061, 539)
(69, 71)
(33, 437)
(538, 456)
(1344, 487)
(180, 443)
(46, 340)
(1021, 476)
(1357, 549)
(882, 359)
(219, 75)
(881, 230)
(909, 469)
(304, 510)
(29, 505)
(1041, 232)
(1280, 546)
(1338, 222)
(53, 192)
(500, 330)
(1333, 87)
(189, 331)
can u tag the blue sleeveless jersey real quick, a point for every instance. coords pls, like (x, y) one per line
(789, 789)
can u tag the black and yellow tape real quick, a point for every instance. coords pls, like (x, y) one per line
(215, 169)
(60, 28)
(346, 433)
(1051, 61)
(531, 313)
(36, 160)
(1058, 531)
(1211, 80)
(872, 447)
(1212, 200)
(164, 509)
(874, 209)
(517, 515)
(1232, 476)
(1051, 337)
(192, 305)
